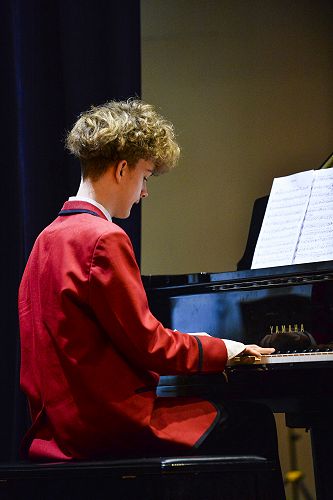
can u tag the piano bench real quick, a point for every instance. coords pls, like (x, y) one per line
(162, 478)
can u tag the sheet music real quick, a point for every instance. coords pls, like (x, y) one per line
(284, 216)
(316, 238)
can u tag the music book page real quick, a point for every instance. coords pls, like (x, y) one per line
(316, 238)
(298, 222)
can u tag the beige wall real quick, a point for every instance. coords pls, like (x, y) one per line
(248, 85)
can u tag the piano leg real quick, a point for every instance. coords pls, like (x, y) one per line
(319, 422)
(322, 445)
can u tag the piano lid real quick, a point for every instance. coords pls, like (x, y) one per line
(328, 163)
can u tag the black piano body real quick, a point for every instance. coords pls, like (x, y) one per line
(246, 306)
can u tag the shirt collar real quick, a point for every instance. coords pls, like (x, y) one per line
(92, 202)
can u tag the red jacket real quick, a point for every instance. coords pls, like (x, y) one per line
(92, 352)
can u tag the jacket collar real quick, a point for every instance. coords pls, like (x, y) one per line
(79, 205)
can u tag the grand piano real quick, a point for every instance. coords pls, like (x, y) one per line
(289, 307)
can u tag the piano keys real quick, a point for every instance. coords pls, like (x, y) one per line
(289, 359)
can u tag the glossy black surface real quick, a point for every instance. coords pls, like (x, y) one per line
(247, 305)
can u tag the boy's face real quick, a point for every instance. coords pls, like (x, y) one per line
(133, 186)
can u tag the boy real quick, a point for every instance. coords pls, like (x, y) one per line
(92, 352)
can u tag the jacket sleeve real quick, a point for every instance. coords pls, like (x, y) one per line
(119, 301)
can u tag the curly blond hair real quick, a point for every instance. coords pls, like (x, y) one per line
(122, 130)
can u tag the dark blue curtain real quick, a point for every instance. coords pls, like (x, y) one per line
(56, 59)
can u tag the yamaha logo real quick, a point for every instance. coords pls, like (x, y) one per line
(287, 328)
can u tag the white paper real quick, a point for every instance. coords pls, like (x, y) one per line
(284, 216)
(316, 238)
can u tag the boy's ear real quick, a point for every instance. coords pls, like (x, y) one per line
(120, 170)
